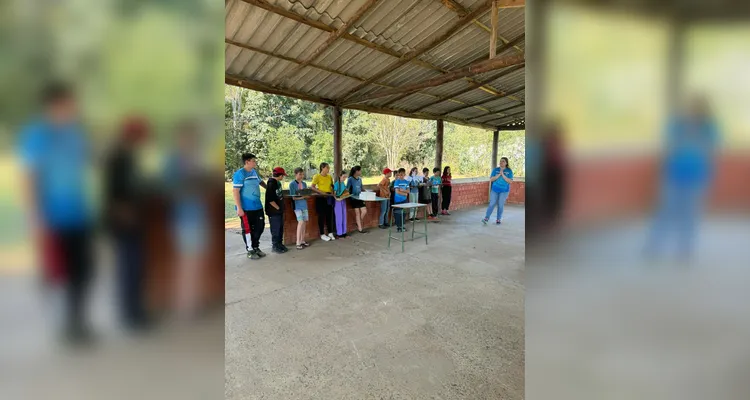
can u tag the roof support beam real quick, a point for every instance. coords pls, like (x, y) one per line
(391, 111)
(461, 11)
(500, 111)
(504, 94)
(474, 84)
(493, 34)
(335, 35)
(422, 49)
(470, 88)
(468, 71)
(261, 87)
(506, 118)
(264, 4)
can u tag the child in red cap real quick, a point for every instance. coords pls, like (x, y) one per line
(275, 209)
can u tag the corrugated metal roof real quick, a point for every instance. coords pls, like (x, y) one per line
(276, 43)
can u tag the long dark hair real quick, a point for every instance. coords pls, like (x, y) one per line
(507, 163)
(445, 170)
(411, 171)
(354, 169)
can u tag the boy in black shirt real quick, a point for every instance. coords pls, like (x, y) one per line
(275, 209)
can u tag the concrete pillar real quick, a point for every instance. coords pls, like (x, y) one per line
(675, 62)
(439, 145)
(337, 145)
(495, 138)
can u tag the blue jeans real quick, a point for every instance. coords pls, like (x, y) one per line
(398, 217)
(496, 199)
(676, 217)
(384, 212)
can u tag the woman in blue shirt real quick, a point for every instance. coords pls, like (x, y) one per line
(354, 185)
(500, 180)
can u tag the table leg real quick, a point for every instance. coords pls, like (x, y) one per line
(412, 224)
(390, 227)
(402, 230)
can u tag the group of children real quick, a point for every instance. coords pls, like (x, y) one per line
(330, 204)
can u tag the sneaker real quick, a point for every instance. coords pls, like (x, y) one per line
(362, 231)
(484, 221)
(284, 248)
(498, 222)
(447, 213)
(387, 225)
(400, 230)
(381, 226)
(252, 255)
(431, 218)
(278, 250)
(326, 238)
(332, 236)
(259, 252)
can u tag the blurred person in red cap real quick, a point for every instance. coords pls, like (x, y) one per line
(55, 154)
(275, 209)
(385, 192)
(123, 205)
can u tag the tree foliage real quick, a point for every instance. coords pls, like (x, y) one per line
(292, 133)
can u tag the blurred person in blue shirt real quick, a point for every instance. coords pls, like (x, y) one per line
(687, 171)
(189, 218)
(500, 180)
(55, 155)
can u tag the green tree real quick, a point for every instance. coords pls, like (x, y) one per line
(285, 149)
(396, 136)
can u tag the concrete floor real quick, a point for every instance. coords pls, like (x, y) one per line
(604, 323)
(352, 319)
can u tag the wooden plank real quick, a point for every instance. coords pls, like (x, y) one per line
(479, 103)
(500, 111)
(323, 27)
(335, 35)
(505, 118)
(391, 111)
(234, 80)
(493, 33)
(467, 71)
(422, 49)
(470, 88)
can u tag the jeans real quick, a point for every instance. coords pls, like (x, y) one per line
(130, 253)
(677, 216)
(384, 212)
(496, 199)
(398, 217)
(413, 198)
(277, 229)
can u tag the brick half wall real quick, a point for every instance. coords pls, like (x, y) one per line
(467, 193)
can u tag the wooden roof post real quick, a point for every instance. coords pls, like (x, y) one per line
(337, 145)
(439, 145)
(495, 137)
